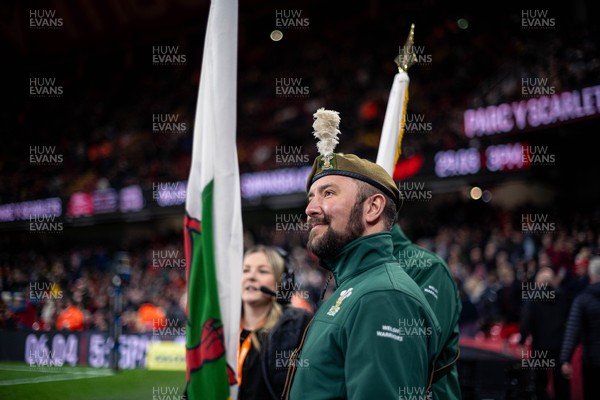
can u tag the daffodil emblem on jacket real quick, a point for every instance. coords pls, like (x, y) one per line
(335, 308)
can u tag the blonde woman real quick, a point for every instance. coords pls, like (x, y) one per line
(263, 266)
(269, 330)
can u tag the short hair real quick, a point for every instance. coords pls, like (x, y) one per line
(594, 267)
(390, 212)
(544, 275)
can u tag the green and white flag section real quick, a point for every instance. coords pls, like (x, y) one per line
(213, 221)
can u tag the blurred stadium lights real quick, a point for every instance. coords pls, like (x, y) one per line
(475, 193)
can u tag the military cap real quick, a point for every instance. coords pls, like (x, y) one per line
(355, 167)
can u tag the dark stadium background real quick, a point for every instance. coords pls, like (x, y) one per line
(102, 126)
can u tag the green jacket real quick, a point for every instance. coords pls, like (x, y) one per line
(375, 337)
(431, 273)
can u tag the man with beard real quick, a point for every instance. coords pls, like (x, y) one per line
(375, 336)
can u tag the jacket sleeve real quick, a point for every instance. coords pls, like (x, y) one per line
(572, 331)
(382, 361)
(278, 346)
(441, 293)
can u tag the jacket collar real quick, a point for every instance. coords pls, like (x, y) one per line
(360, 255)
(399, 239)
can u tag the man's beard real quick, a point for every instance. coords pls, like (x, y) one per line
(332, 241)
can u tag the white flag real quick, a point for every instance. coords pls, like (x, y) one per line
(393, 124)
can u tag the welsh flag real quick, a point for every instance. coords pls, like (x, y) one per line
(213, 221)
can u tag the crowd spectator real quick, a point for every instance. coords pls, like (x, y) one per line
(544, 321)
(583, 326)
(70, 318)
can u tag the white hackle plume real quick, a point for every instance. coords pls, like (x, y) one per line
(326, 130)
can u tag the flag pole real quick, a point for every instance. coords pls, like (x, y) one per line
(395, 114)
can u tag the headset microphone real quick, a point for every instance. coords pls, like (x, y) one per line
(268, 291)
(286, 286)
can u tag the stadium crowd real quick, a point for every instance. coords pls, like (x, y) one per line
(489, 254)
(75, 289)
(110, 140)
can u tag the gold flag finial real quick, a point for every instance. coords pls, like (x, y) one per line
(406, 55)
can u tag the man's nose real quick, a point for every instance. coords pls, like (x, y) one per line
(313, 208)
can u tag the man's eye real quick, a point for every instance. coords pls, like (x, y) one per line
(328, 193)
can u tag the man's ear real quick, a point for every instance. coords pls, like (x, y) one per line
(374, 206)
